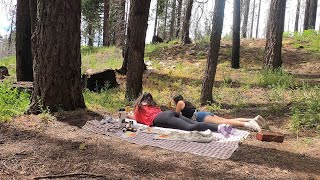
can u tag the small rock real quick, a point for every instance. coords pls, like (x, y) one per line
(170, 58)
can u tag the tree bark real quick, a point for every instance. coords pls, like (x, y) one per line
(296, 24)
(33, 14)
(310, 14)
(106, 6)
(235, 62)
(252, 18)
(120, 22)
(211, 65)
(272, 59)
(179, 18)
(57, 67)
(245, 18)
(186, 24)
(173, 17)
(24, 63)
(258, 19)
(137, 28)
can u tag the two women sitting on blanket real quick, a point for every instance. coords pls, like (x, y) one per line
(147, 112)
(188, 110)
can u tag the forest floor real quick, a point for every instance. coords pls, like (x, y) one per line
(33, 146)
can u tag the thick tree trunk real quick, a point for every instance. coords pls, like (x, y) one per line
(173, 17)
(186, 24)
(252, 18)
(137, 29)
(90, 34)
(296, 24)
(179, 18)
(24, 63)
(310, 14)
(106, 41)
(245, 18)
(272, 59)
(57, 67)
(235, 62)
(120, 22)
(258, 19)
(211, 65)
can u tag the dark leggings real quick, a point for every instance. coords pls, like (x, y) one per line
(174, 120)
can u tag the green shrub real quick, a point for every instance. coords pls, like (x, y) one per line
(12, 102)
(309, 39)
(276, 78)
(305, 110)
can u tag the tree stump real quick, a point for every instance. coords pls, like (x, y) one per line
(96, 81)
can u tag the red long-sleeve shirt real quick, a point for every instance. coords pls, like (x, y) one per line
(146, 114)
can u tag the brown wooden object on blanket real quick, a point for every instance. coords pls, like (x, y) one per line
(267, 135)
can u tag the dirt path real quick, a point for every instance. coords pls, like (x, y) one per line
(30, 148)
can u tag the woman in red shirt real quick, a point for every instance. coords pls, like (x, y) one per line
(147, 112)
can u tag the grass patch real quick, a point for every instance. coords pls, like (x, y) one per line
(12, 102)
(276, 78)
(101, 58)
(109, 100)
(305, 110)
(156, 49)
(309, 39)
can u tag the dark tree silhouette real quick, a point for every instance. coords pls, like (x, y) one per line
(179, 18)
(272, 58)
(245, 18)
(186, 24)
(137, 28)
(296, 24)
(106, 7)
(156, 20)
(252, 17)
(120, 6)
(57, 67)
(173, 17)
(211, 65)
(258, 19)
(235, 60)
(310, 15)
(24, 63)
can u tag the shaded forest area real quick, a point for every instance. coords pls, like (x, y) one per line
(43, 102)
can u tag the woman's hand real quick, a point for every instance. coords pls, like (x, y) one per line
(180, 106)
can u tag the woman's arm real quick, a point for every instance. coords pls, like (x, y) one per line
(180, 106)
(130, 116)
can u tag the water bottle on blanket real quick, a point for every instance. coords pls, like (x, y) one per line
(122, 117)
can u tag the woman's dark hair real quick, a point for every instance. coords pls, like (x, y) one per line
(177, 98)
(146, 98)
